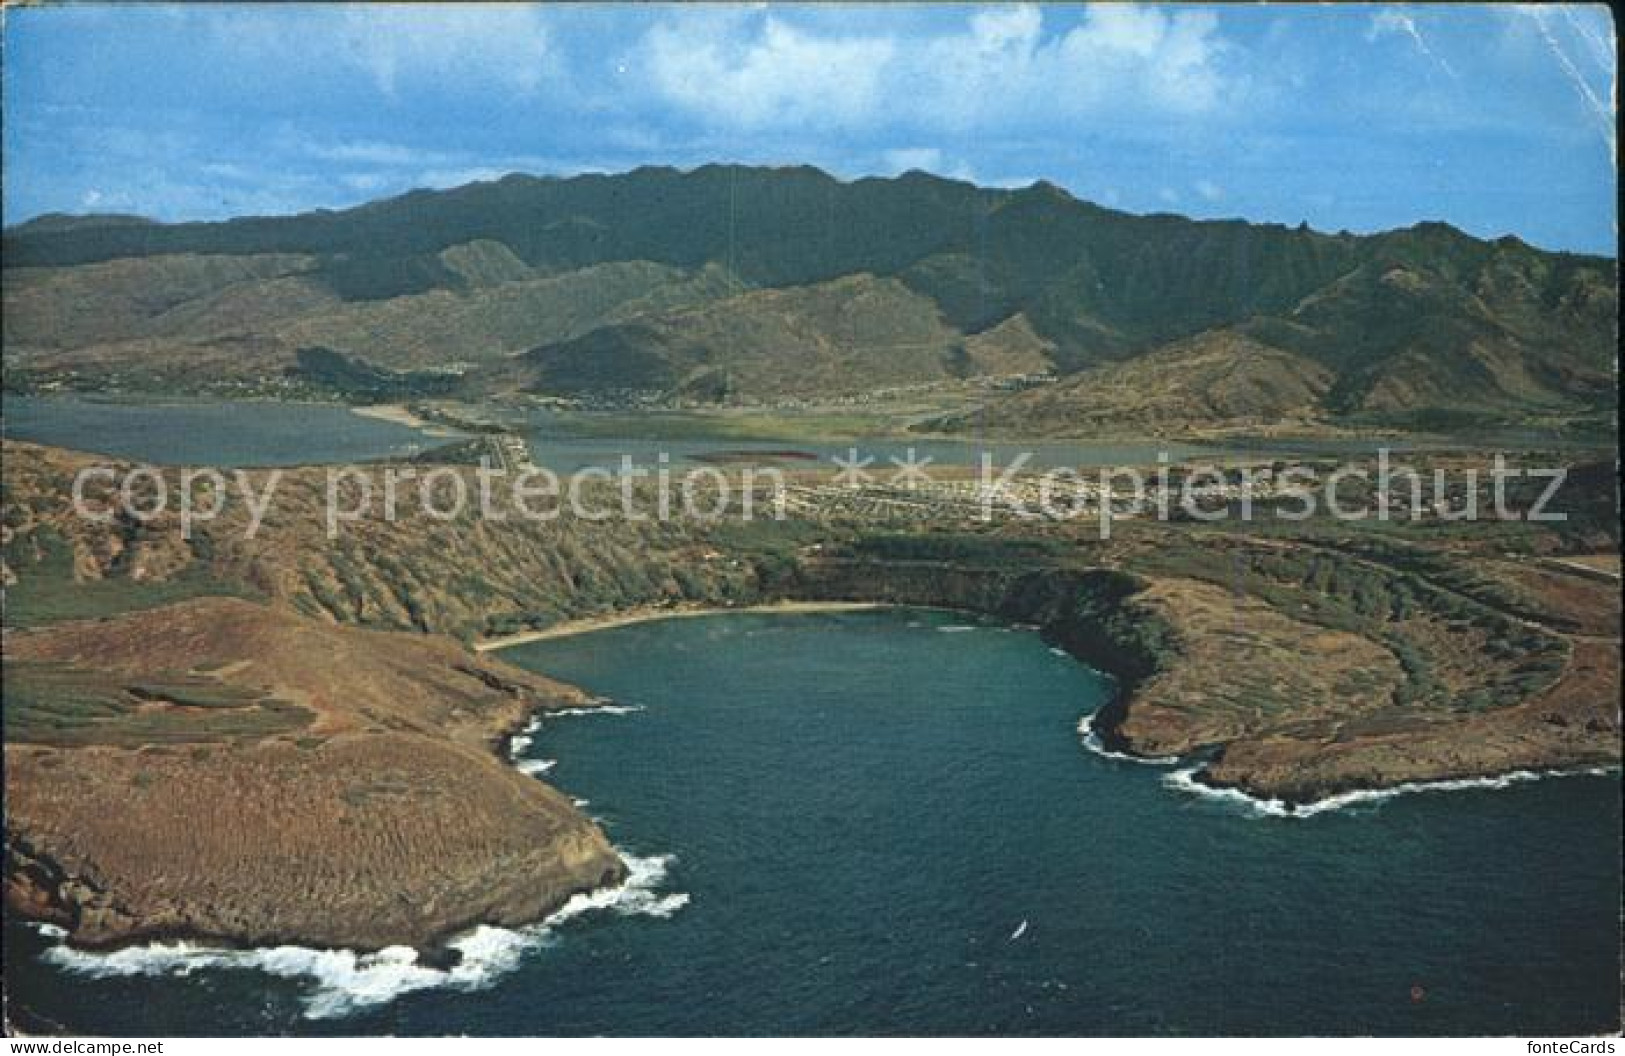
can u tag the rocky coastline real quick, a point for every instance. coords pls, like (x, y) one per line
(260, 771)
(1129, 628)
(384, 813)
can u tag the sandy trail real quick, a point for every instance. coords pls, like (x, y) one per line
(644, 615)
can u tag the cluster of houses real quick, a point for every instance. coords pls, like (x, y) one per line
(510, 452)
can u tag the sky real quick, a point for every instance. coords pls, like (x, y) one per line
(1498, 119)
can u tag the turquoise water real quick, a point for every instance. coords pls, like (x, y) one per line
(210, 432)
(885, 822)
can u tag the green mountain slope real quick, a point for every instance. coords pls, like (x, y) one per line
(746, 283)
(847, 336)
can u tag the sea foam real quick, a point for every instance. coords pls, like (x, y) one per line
(1092, 741)
(345, 981)
(520, 742)
(1186, 781)
(600, 709)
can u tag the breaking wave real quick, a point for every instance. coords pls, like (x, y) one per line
(345, 981)
(598, 709)
(520, 742)
(535, 767)
(1092, 741)
(1186, 781)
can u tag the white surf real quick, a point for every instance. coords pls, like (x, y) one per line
(342, 982)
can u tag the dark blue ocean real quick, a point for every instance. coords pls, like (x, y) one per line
(886, 823)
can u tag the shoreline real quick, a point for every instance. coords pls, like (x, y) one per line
(1194, 781)
(628, 617)
(401, 414)
(438, 958)
(398, 413)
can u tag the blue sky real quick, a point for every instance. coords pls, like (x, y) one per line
(1497, 119)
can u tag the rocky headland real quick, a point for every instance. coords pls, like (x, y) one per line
(230, 772)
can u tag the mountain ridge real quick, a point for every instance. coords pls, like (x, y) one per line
(1407, 322)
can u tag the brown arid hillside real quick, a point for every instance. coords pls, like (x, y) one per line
(107, 304)
(1317, 640)
(249, 316)
(1010, 347)
(745, 285)
(227, 770)
(502, 315)
(313, 759)
(1220, 376)
(847, 336)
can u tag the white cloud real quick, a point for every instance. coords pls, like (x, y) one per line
(369, 152)
(897, 161)
(392, 44)
(927, 159)
(388, 40)
(365, 182)
(780, 74)
(226, 170)
(440, 179)
(737, 70)
(1209, 190)
(1171, 58)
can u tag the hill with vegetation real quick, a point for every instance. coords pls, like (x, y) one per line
(741, 284)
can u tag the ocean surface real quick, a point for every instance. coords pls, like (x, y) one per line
(888, 822)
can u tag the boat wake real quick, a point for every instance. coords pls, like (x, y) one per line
(344, 981)
(1092, 741)
(1185, 781)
